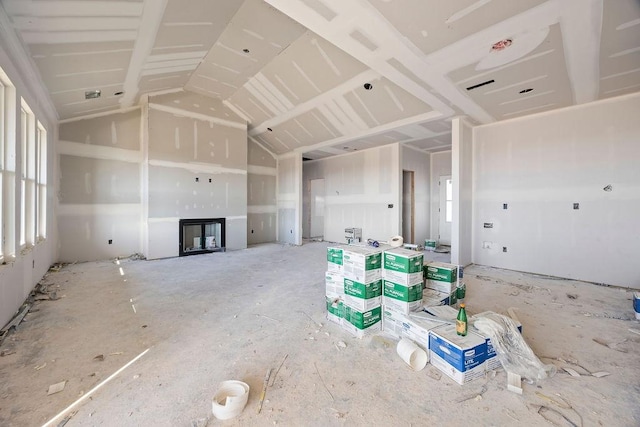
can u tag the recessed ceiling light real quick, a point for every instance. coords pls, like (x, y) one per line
(119, 93)
(245, 50)
(526, 90)
(368, 86)
(92, 94)
(270, 130)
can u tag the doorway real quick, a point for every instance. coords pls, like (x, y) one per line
(316, 208)
(408, 206)
(445, 211)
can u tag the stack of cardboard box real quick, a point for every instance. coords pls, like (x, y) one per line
(402, 280)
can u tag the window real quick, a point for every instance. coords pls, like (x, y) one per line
(7, 167)
(448, 211)
(28, 177)
(41, 197)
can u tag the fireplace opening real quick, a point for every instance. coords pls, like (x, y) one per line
(201, 236)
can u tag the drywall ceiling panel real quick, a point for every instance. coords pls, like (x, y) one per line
(620, 48)
(543, 70)
(317, 154)
(89, 106)
(437, 126)
(250, 107)
(311, 66)
(198, 25)
(386, 102)
(196, 103)
(246, 46)
(158, 83)
(432, 25)
(429, 144)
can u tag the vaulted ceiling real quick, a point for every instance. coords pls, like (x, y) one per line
(296, 70)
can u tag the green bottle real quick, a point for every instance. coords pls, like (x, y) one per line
(461, 321)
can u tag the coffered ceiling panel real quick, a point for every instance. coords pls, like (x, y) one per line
(299, 67)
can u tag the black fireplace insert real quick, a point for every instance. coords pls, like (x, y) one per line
(201, 236)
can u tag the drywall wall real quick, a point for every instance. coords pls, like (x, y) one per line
(289, 199)
(261, 195)
(360, 187)
(440, 166)
(100, 207)
(197, 168)
(540, 166)
(420, 163)
(22, 268)
(462, 182)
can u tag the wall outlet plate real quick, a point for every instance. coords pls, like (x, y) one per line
(488, 225)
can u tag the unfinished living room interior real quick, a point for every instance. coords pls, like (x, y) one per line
(189, 187)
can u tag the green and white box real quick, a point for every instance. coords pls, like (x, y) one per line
(402, 298)
(441, 271)
(430, 244)
(362, 263)
(361, 323)
(362, 296)
(402, 266)
(335, 310)
(334, 259)
(334, 283)
(440, 286)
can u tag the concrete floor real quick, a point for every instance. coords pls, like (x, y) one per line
(208, 318)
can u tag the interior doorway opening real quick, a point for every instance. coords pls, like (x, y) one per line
(408, 206)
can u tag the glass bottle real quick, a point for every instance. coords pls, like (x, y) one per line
(461, 321)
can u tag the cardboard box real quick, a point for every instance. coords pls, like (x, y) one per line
(460, 358)
(402, 261)
(491, 358)
(362, 296)
(440, 286)
(334, 284)
(442, 311)
(402, 278)
(335, 310)
(430, 244)
(362, 323)
(399, 325)
(334, 259)
(400, 297)
(434, 298)
(441, 271)
(362, 263)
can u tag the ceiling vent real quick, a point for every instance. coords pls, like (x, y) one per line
(488, 82)
(92, 94)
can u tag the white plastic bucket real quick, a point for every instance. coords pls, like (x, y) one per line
(230, 399)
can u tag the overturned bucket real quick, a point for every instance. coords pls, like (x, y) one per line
(230, 399)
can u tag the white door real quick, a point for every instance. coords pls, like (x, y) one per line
(446, 210)
(316, 197)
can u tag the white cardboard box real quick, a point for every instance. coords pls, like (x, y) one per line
(362, 263)
(334, 283)
(399, 325)
(440, 286)
(460, 358)
(401, 278)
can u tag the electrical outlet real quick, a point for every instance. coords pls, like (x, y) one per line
(504, 249)
(110, 241)
(488, 225)
(504, 206)
(209, 179)
(197, 179)
(390, 206)
(576, 206)
(251, 231)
